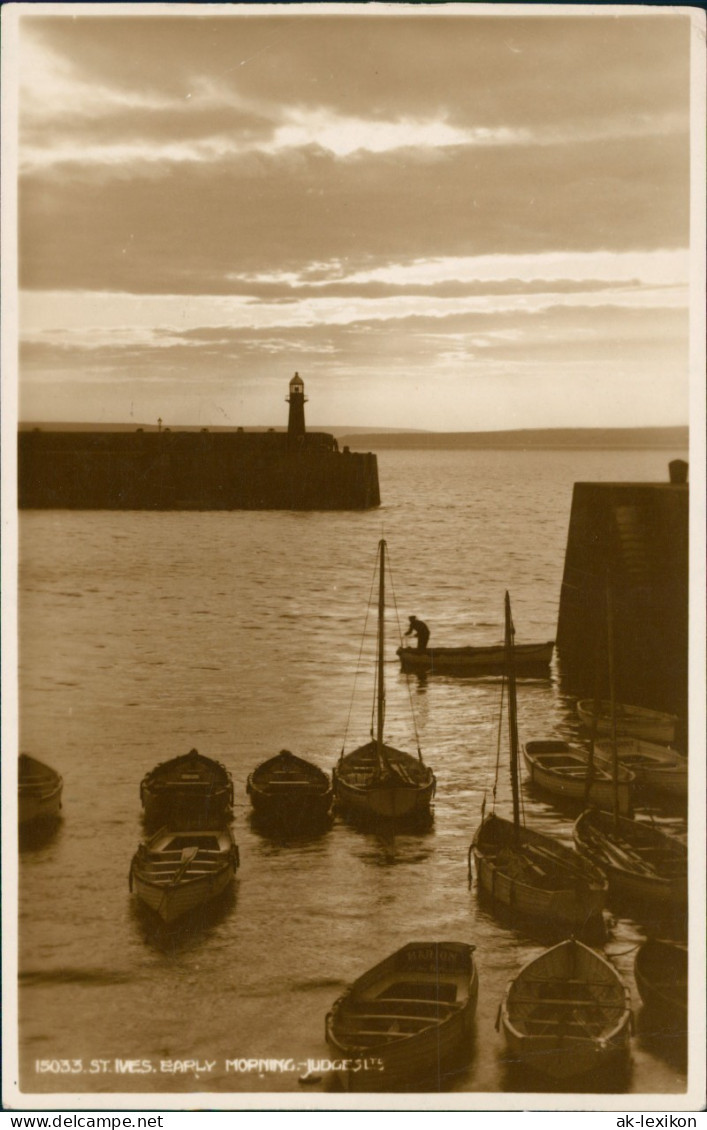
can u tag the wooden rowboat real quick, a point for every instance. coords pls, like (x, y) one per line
(656, 767)
(39, 791)
(567, 1013)
(640, 861)
(631, 721)
(531, 659)
(660, 969)
(376, 780)
(561, 769)
(289, 790)
(176, 872)
(189, 791)
(409, 1015)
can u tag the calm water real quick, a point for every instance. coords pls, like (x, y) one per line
(143, 635)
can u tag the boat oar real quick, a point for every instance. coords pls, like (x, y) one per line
(187, 857)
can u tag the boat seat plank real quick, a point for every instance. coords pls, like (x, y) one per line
(584, 1002)
(391, 1016)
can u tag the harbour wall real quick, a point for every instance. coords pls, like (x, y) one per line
(173, 470)
(632, 540)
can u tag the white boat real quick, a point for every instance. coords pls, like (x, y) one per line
(377, 780)
(568, 1013)
(408, 1016)
(39, 791)
(563, 769)
(176, 872)
(631, 721)
(529, 872)
(655, 767)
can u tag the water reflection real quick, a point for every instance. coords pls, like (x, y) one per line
(187, 932)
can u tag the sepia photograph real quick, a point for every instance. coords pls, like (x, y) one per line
(353, 556)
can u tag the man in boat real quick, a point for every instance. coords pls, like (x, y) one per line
(421, 631)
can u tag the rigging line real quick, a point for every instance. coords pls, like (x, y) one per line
(400, 641)
(498, 742)
(358, 663)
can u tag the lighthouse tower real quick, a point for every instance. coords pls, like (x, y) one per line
(296, 401)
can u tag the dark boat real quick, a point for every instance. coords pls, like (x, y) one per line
(176, 872)
(660, 969)
(39, 791)
(531, 659)
(409, 1015)
(289, 790)
(377, 780)
(567, 1013)
(526, 871)
(189, 791)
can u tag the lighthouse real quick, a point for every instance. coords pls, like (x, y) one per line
(296, 401)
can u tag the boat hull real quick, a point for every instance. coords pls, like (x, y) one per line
(528, 659)
(39, 792)
(428, 988)
(290, 791)
(567, 1014)
(631, 721)
(188, 791)
(655, 767)
(576, 903)
(174, 886)
(666, 887)
(405, 791)
(660, 970)
(542, 759)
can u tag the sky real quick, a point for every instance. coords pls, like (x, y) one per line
(441, 218)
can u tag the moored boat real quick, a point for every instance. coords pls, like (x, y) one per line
(526, 871)
(39, 790)
(640, 861)
(631, 721)
(187, 791)
(565, 770)
(410, 1015)
(531, 659)
(655, 767)
(567, 1013)
(377, 780)
(289, 790)
(176, 872)
(660, 969)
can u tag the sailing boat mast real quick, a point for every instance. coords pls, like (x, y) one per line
(612, 700)
(512, 718)
(380, 702)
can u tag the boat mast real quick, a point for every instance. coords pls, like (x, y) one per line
(512, 717)
(380, 702)
(612, 700)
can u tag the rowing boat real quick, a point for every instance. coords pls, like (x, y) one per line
(567, 1013)
(562, 770)
(631, 721)
(176, 872)
(531, 659)
(655, 767)
(660, 969)
(289, 790)
(526, 871)
(409, 1015)
(377, 780)
(187, 791)
(39, 791)
(640, 861)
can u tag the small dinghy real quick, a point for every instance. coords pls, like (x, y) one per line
(531, 659)
(567, 1013)
(657, 768)
(409, 1015)
(189, 791)
(660, 969)
(631, 721)
(640, 861)
(39, 791)
(176, 872)
(289, 790)
(562, 770)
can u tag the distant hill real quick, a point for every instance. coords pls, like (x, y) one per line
(672, 438)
